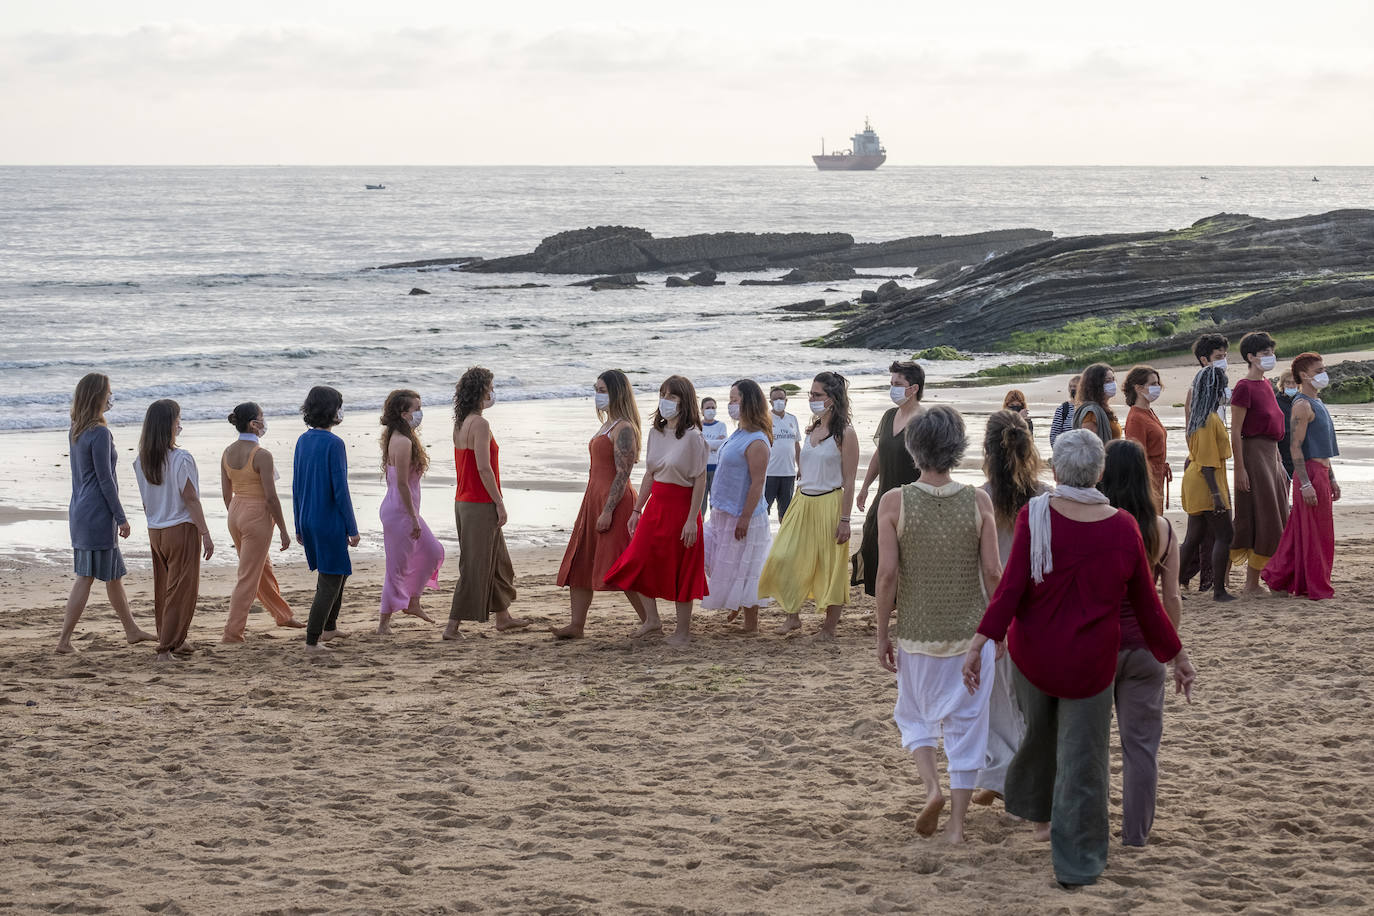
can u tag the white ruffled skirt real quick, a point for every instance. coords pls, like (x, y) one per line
(733, 566)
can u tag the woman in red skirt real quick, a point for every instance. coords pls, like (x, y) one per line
(666, 557)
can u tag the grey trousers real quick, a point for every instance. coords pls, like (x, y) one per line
(1139, 694)
(1061, 775)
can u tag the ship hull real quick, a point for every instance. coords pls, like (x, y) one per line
(848, 163)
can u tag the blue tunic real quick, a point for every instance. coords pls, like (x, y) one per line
(320, 502)
(730, 488)
(94, 512)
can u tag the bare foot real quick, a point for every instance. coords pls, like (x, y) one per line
(139, 636)
(451, 632)
(327, 635)
(317, 650)
(417, 612)
(184, 650)
(512, 623)
(954, 835)
(164, 657)
(823, 635)
(730, 617)
(929, 818)
(678, 640)
(646, 628)
(568, 632)
(793, 622)
(65, 648)
(985, 797)
(1041, 833)
(231, 640)
(384, 625)
(293, 624)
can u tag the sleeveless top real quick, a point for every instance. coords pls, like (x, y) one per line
(730, 487)
(895, 467)
(246, 482)
(1320, 441)
(822, 467)
(470, 486)
(940, 598)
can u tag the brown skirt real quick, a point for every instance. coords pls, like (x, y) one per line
(1261, 513)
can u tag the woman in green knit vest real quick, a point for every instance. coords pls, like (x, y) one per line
(937, 563)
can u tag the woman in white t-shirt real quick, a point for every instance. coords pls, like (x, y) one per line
(715, 432)
(177, 532)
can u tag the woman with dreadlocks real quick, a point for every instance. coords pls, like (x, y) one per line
(1206, 497)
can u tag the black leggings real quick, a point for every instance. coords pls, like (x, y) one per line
(1218, 523)
(324, 610)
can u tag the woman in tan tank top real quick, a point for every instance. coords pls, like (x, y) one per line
(248, 482)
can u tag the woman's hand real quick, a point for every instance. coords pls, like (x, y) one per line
(1184, 675)
(689, 530)
(1242, 480)
(1218, 505)
(415, 527)
(285, 540)
(501, 516)
(1335, 491)
(634, 521)
(124, 530)
(973, 666)
(887, 658)
(863, 497)
(1309, 496)
(603, 522)
(207, 545)
(353, 540)
(842, 532)
(741, 528)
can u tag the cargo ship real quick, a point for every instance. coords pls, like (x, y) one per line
(866, 155)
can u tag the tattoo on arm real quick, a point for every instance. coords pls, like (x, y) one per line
(624, 464)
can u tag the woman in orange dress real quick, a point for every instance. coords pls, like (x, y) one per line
(602, 530)
(1143, 388)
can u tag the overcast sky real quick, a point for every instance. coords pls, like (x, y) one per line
(707, 82)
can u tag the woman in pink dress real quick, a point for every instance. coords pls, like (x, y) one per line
(413, 553)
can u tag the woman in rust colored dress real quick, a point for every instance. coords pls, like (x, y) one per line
(602, 530)
(1143, 388)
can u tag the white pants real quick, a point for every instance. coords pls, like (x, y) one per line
(932, 702)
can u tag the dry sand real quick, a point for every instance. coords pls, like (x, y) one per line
(509, 773)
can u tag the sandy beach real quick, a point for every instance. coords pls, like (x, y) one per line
(510, 773)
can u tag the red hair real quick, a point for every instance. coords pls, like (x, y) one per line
(1301, 362)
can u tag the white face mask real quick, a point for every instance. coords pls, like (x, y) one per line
(898, 394)
(667, 408)
(1268, 362)
(262, 427)
(1291, 392)
(779, 404)
(710, 414)
(1321, 380)
(491, 399)
(417, 418)
(1109, 389)
(1153, 392)
(733, 411)
(603, 400)
(1219, 363)
(816, 406)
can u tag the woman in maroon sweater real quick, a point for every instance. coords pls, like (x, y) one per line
(1074, 559)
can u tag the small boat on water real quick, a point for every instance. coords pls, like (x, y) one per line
(868, 153)
(375, 187)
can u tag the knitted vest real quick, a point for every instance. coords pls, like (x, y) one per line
(939, 579)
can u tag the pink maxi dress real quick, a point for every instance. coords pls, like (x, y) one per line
(412, 565)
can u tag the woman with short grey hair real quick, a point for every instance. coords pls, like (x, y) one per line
(937, 563)
(1074, 560)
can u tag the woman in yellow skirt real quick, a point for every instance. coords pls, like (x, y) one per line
(810, 555)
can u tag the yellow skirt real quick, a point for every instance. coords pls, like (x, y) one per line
(805, 561)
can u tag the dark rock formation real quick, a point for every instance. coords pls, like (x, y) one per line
(703, 278)
(429, 262)
(1228, 269)
(940, 271)
(624, 280)
(416, 291)
(821, 273)
(616, 249)
(1352, 382)
(675, 283)
(890, 290)
(810, 305)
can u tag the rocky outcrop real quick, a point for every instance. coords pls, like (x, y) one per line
(416, 291)
(617, 281)
(618, 249)
(703, 278)
(1352, 382)
(1227, 270)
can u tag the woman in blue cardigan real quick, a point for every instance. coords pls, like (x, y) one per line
(325, 526)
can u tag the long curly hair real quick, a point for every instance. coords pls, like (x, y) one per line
(88, 403)
(1012, 464)
(1092, 387)
(836, 388)
(469, 393)
(397, 403)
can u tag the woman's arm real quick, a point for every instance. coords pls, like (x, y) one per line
(990, 557)
(1173, 600)
(849, 462)
(262, 461)
(1238, 453)
(757, 455)
(1014, 586)
(869, 476)
(885, 589)
(193, 506)
(398, 456)
(624, 465)
(1090, 421)
(1302, 416)
(226, 486)
(481, 451)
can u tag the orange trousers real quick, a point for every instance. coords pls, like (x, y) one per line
(176, 582)
(250, 526)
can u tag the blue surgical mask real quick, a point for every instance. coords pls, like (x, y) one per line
(1291, 392)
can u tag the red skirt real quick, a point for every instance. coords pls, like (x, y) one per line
(1307, 550)
(657, 564)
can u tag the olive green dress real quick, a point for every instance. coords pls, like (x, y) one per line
(895, 469)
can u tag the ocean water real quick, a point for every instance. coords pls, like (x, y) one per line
(217, 285)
